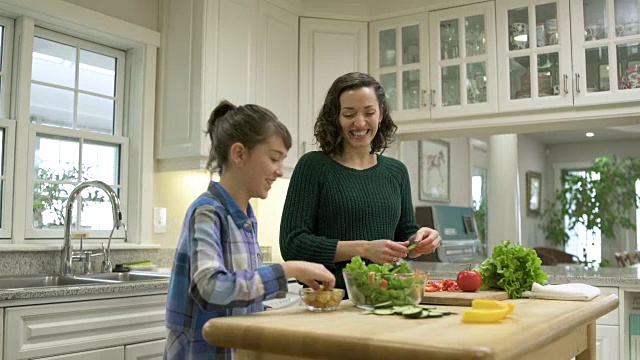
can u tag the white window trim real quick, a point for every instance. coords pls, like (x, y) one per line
(141, 46)
(9, 127)
(34, 130)
(7, 68)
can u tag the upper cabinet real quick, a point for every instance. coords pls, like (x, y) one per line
(437, 65)
(328, 50)
(606, 50)
(399, 59)
(277, 69)
(534, 54)
(244, 51)
(561, 53)
(463, 61)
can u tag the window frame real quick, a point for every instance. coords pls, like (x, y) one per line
(141, 47)
(9, 127)
(7, 66)
(80, 135)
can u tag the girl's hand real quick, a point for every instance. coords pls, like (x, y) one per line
(310, 273)
(427, 241)
(385, 251)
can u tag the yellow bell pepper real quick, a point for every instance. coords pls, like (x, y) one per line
(492, 305)
(484, 315)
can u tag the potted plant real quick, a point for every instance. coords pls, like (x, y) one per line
(601, 199)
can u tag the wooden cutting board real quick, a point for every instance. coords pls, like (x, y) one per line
(461, 298)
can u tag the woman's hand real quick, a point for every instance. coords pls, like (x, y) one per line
(310, 273)
(427, 241)
(385, 251)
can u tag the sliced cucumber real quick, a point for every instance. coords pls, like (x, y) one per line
(382, 305)
(367, 312)
(412, 313)
(384, 311)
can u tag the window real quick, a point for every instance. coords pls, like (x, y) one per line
(582, 242)
(7, 132)
(76, 133)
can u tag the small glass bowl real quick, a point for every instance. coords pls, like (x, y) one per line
(321, 300)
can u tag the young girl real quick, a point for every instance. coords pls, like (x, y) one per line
(217, 269)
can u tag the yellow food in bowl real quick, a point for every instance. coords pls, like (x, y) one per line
(321, 300)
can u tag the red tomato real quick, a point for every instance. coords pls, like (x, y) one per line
(469, 280)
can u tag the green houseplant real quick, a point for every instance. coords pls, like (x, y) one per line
(602, 199)
(52, 193)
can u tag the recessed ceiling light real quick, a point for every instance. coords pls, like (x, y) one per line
(589, 134)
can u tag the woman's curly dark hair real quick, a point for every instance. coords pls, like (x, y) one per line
(327, 129)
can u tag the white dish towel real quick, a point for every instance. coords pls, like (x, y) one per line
(574, 291)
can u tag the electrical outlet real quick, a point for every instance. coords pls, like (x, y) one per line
(159, 220)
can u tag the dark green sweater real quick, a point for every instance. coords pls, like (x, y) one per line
(328, 202)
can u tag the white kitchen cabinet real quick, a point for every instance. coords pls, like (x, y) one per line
(115, 353)
(277, 69)
(328, 49)
(208, 54)
(399, 59)
(75, 327)
(534, 54)
(607, 342)
(561, 53)
(463, 61)
(606, 51)
(152, 350)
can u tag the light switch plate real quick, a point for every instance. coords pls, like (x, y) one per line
(159, 220)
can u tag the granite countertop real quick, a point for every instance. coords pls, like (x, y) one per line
(622, 277)
(85, 289)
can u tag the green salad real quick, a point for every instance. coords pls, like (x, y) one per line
(375, 284)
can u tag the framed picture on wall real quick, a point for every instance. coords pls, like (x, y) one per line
(434, 170)
(534, 193)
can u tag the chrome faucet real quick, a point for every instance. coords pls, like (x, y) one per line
(68, 254)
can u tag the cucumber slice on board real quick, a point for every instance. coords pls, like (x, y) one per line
(384, 311)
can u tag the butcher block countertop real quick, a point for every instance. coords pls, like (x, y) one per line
(537, 329)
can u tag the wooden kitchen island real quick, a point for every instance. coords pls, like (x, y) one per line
(537, 329)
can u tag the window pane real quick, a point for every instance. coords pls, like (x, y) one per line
(629, 66)
(51, 106)
(410, 45)
(450, 76)
(2, 154)
(449, 39)
(57, 159)
(597, 69)
(476, 82)
(96, 210)
(411, 89)
(53, 62)
(388, 82)
(101, 162)
(49, 204)
(95, 113)
(97, 73)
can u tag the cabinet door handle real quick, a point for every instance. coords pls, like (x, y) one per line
(577, 83)
(424, 97)
(566, 83)
(433, 98)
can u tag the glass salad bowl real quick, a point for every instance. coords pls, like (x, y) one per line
(368, 289)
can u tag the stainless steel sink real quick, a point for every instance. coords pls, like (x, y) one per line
(128, 276)
(19, 282)
(33, 281)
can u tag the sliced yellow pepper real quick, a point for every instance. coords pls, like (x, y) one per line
(484, 315)
(492, 305)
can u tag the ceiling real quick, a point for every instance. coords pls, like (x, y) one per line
(578, 136)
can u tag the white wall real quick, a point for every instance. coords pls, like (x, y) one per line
(139, 12)
(531, 157)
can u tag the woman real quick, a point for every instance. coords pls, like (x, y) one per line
(348, 199)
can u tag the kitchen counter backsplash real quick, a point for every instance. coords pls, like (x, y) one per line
(48, 262)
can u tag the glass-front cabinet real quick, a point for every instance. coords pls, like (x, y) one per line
(534, 54)
(463, 61)
(606, 50)
(398, 58)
